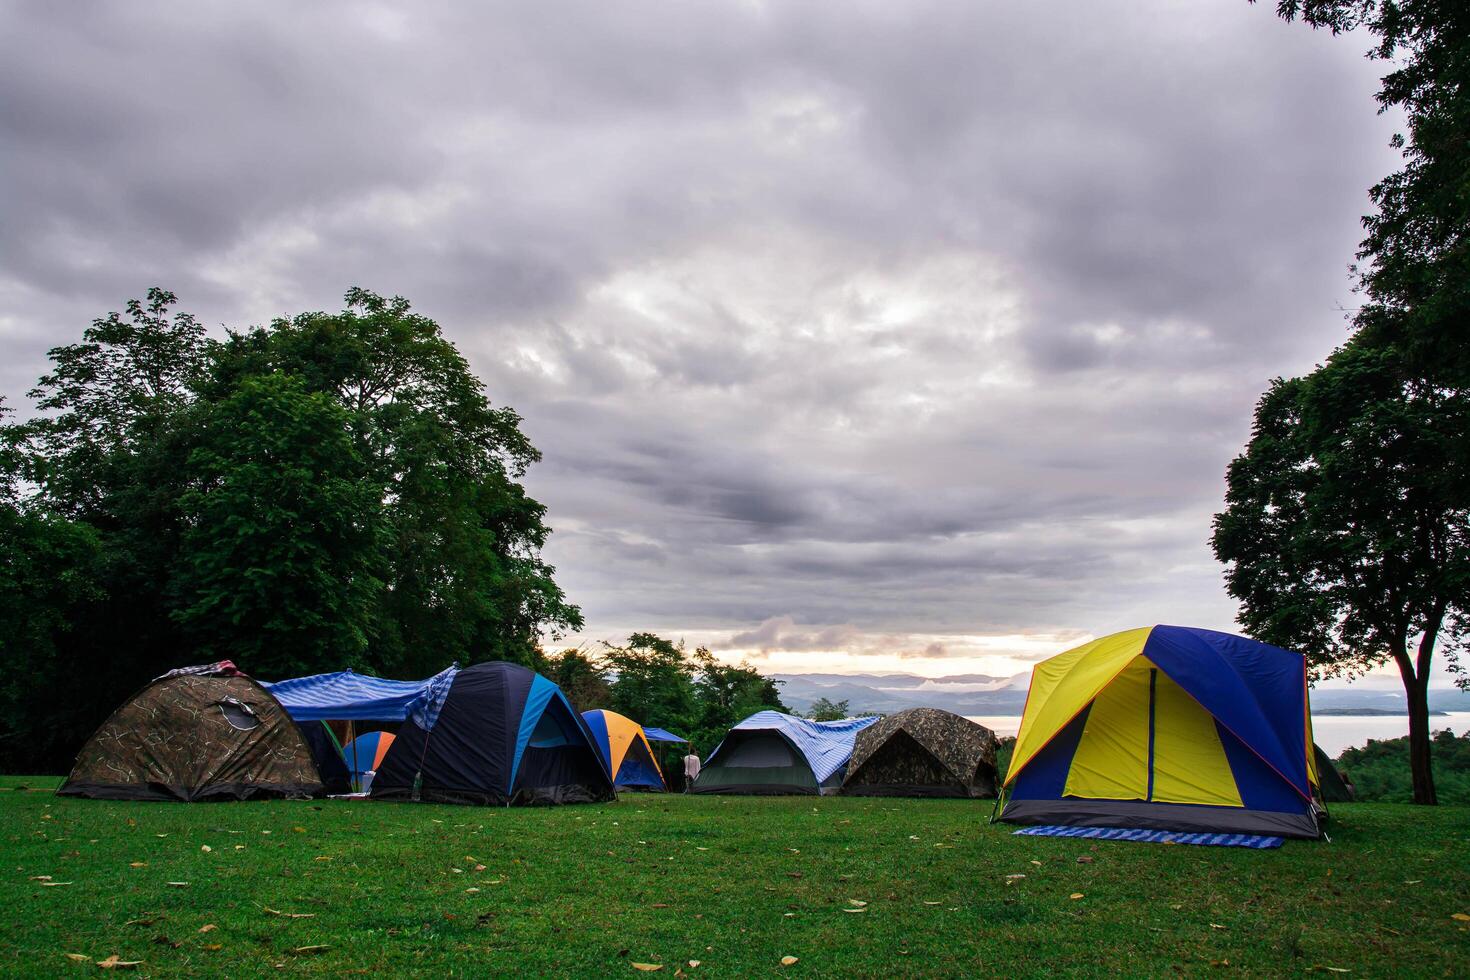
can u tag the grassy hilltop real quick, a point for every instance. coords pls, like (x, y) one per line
(850, 887)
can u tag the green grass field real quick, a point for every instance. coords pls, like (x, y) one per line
(850, 887)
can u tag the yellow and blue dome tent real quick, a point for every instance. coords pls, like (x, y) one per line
(1167, 728)
(625, 750)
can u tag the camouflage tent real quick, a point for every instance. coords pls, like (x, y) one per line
(923, 752)
(207, 733)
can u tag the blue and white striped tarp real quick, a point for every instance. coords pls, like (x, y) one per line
(349, 696)
(1155, 836)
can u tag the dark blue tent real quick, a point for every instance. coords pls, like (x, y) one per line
(495, 733)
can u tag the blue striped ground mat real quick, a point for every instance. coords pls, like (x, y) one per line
(1155, 836)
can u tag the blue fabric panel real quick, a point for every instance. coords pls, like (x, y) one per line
(1255, 690)
(638, 772)
(349, 696)
(1260, 788)
(659, 735)
(597, 725)
(537, 698)
(1155, 836)
(826, 745)
(1045, 776)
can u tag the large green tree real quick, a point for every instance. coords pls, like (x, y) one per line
(1347, 525)
(460, 538)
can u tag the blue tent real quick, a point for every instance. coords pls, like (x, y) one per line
(771, 752)
(495, 733)
(349, 696)
(659, 735)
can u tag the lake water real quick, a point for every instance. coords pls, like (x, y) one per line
(1333, 732)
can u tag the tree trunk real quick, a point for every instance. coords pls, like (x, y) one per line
(1419, 762)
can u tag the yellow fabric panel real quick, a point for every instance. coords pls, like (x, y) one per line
(1062, 686)
(1111, 762)
(1311, 744)
(1189, 762)
(621, 733)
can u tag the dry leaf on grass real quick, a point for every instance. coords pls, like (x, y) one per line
(648, 967)
(1076, 895)
(115, 962)
(211, 947)
(694, 964)
(138, 864)
(287, 915)
(854, 910)
(310, 950)
(211, 927)
(40, 878)
(1460, 917)
(54, 884)
(205, 848)
(76, 957)
(788, 960)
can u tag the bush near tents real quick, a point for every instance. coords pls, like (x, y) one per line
(1379, 770)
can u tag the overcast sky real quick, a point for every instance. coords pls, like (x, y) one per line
(860, 335)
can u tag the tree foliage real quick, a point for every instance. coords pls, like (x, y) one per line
(329, 491)
(659, 683)
(825, 709)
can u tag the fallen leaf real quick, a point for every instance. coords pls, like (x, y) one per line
(1460, 917)
(693, 964)
(115, 962)
(1014, 877)
(205, 848)
(479, 867)
(1416, 881)
(211, 947)
(1086, 859)
(788, 960)
(146, 921)
(54, 884)
(288, 915)
(854, 910)
(856, 903)
(177, 884)
(1216, 925)
(1075, 895)
(659, 905)
(472, 891)
(299, 830)
(138, 864)
(40, 877)
(210, 927)
(1037, 863)
(648, 967)
(310, 950)
(76, 957)
(321, 857)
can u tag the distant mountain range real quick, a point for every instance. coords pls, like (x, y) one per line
(979, 694)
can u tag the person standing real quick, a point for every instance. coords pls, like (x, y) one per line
(691, 769)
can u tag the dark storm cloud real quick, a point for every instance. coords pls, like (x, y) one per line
(840, 326)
